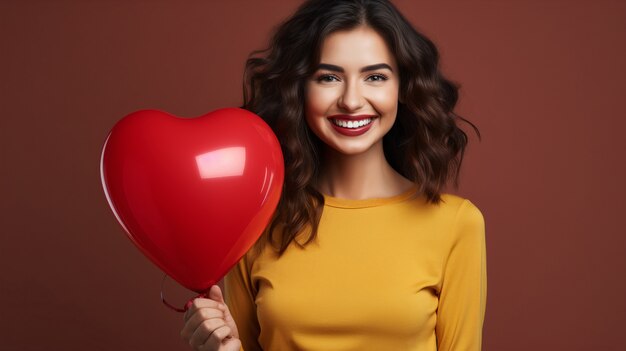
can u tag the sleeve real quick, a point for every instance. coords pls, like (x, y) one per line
(463, 295)
(239, 297)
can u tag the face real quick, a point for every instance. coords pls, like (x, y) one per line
(351, 100)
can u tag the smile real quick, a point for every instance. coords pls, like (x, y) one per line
(352, 124)
(352, 127)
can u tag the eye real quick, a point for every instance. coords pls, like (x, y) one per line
(327, 78)
(377, 78)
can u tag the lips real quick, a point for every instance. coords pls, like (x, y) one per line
(351, 119)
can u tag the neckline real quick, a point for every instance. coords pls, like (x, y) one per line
(372, 202)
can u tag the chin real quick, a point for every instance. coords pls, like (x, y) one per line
(350, 149)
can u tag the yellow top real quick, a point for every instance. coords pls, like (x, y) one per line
(384, 274)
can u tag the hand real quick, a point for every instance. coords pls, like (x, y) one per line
(209, 325)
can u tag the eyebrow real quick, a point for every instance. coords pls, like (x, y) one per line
(364, 69)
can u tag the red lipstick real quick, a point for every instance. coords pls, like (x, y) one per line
(348, 118)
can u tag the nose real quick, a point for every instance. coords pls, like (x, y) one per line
(351, 98)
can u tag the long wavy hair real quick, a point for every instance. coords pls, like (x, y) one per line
(425, 144)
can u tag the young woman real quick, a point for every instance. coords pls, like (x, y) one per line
(365, 251)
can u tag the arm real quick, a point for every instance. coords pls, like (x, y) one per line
(240, 301)
(463, 295)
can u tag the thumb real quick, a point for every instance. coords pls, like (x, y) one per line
(215, 293)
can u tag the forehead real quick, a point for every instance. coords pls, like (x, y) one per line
(355, 48)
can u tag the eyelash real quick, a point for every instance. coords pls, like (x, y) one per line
(321, 77)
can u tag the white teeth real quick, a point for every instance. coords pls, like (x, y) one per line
(352, 124)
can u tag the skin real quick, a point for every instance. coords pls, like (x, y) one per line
(353, 167)
(209, 324)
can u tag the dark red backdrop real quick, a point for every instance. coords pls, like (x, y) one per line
(542, 79)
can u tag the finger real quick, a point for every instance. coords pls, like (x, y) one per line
(198, 317)
(215, 293)
(205, 330)
(216, 338)
(230, 344)
(201, 303)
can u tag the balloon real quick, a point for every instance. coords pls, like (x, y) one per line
(193, 194)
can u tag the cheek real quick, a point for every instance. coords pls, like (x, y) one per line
(312, 109)
(385, 100)
(318, 101)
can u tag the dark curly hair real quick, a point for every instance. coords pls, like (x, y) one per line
(425, 144)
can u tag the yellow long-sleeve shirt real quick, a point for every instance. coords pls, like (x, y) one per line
(384, 274)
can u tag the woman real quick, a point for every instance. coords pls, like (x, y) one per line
(364, 252)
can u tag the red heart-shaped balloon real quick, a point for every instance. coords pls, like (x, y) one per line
(193, 194)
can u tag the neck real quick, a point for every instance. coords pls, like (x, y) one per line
(362, 176)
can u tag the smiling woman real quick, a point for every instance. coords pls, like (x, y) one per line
(364, 252)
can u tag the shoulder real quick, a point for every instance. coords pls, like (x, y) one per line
(460, 206)
(465, 215)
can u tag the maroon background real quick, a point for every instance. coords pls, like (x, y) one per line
(542, 79)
